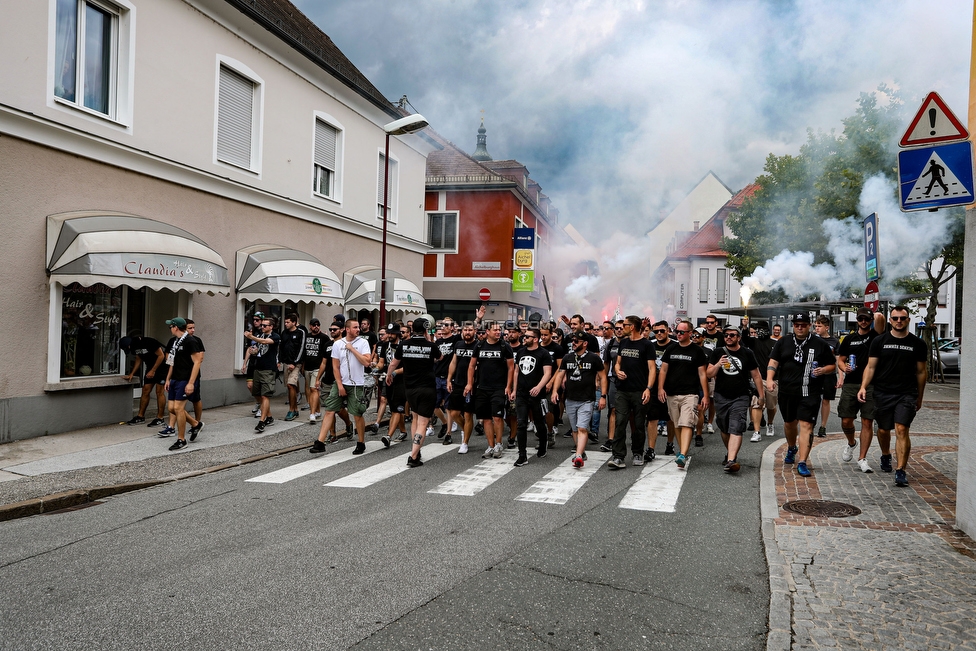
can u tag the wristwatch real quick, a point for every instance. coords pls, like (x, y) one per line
(603, 396)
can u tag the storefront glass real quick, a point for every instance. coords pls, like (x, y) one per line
(91, 326)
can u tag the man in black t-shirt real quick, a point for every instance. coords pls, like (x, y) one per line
(897, 369)
(821, 328)
(150, 352)
(185, 357)
(802, 361)
(315, 342)
(556, 353)
(265, 362)
(580, 372)
(683, 384)
(392, 394)
(494, 362)
(461, 405)
(445, 343)
(366, 332)
(533, 370)
(635, 372)
(731, 366)
(762, 345)
(609, 361)
(513, 335)
(852, 357)
(657, 412)
(712, 338)
(417, 355)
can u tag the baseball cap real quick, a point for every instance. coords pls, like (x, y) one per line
(339, 320)
(420, 324)
(801, 317)
(179, 322)
(731, 328)
(699, 330)
(259, 315)
(125, 343)
(392, 327)
(312, 322)
(578, 336)
(863, 311)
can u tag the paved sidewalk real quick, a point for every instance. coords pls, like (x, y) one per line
(897, 576)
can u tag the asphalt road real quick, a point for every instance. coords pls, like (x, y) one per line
(219, 562)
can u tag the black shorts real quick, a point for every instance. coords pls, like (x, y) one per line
(159, 377)
(830, 387)
(892, 409)
(732, 414)
(249, 373)
(490, 403)
(795, 407)
(457, 402)
(396, 397)
(656, 410)
(423, 400)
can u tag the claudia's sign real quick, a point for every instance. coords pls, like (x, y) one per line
(161, 267)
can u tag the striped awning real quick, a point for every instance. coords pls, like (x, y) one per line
(119, 249)
(362, 287)
(271, 272)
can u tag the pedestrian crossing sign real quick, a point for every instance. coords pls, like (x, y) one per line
(936, 177)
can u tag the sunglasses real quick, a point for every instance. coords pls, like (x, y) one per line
(660, 331)
(863, 318)
(730, 334)
(898, 318)
(682, 332)
(711, 323)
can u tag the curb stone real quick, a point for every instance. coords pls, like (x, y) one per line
(781, 585)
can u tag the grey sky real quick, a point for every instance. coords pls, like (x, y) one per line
(619, 107)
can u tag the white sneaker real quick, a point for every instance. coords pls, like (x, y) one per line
(498, 450)
(756, 437)
(848, 452)
(463, 448)
(770, 431)
(709, 428)
(863, 465)
(312, 417)
(454, 427)
(530, 427)
(430, 430)
(489, 453)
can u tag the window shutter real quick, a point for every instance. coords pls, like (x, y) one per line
(234, 118)
(325, 145)
(379, 183)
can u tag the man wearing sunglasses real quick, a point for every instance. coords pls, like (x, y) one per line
(803, 360)
(852, 358)
(712, 339)
(635, 373)
(609, 361)
(657, 411)
(683, 383)
(265, 367)
(897, 369)
(731, 366)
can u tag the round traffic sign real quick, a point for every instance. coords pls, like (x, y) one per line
(484, 294)
(872, 296)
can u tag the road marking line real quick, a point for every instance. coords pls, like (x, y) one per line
(314, 465)
(657, 488)
(476, 479)
(388, 469)
(563, 482)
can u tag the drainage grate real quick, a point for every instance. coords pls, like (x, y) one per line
(822, 508)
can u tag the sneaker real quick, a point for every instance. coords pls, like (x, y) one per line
(479, 429)
(489, 453)
(269, 420)
(661, 428)
(260, 426)
(700, 442)
(196, 430)
(822, 432)
(312, 417)
(360, 448)
(802, 470)
(512, 444)
(401, 437)
(463, 448)
(770, 431)
(593, 438)
(521, 461)
(616, 463)
(373, 429)
(551, 441)
(731, 466)
(155, 422)
(256, 409)
(790, 455)
(607, 446)
(669, 449)
(448, 440)
(498, 450)
(639, 459)
(317, 447)
(530, 427)
(257, 414)
(412, 463)
(756, 437)
(709, 428)
(885, 463)
(577, 461)
(167, 431)
(541, 451)
(179, 444)
(430, 431)
(649, 455)
(568, 434)
(408, 419)
(901, 479)
(135, 420)
(385, 440)
(584, 456)
(291, 415)
(454, 428)
(848, 453)
(863, 465)
(680, 460)
(443, 431)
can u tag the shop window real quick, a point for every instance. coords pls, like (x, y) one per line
(326, 166)
(91, 326)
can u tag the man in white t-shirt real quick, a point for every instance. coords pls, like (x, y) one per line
(351, 356)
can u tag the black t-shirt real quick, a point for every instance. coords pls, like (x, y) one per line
(581, 375)
(329, 374)
(371, 338)
(183, 348)
(634, 354)
(446, 346)
(761, 348)
(856, 348)
(733, 382)
(794, 376)
(313, 351)
(530, 366)
(683, 364)
(610, 355)
(659, 350)
(386, 351)
(463, 352)
(711, 342)
(493, 364)
(146, 350)
(417, 356)
(592, 344)
(556, 352)
(896, 365)
(292, 346)
(267, 355)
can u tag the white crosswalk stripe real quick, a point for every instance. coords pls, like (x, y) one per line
(474, 480)
(314, 465)
(388, 469)
(563, 482)
(658, 487)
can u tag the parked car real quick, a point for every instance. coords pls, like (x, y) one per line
(949, 353)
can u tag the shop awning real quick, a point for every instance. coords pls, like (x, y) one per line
(117, 249)
(362, 291)
(270, 272)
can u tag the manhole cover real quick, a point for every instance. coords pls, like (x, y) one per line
(822, 508)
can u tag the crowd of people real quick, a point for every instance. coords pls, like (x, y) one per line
(503, 381)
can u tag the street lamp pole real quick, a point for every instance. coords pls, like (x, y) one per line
(400, 127)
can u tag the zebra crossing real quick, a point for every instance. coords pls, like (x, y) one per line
(656, 488)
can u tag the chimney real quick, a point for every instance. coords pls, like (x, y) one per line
(696, 226)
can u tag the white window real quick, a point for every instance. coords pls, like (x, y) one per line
(442, 231)
(380, 188)
(238, 103)
(326, 164)
(720, 284)
(91, 56)
(703, 285)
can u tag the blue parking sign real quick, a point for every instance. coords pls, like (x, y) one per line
(936, 177)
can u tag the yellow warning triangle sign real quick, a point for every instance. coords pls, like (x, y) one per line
(933, 123)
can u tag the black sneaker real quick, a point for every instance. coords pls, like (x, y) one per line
(360, 448)
(649, 455)
(317, 447)
(386, 441)
(568, 434)
(762, 423)
(448, 440)
(443, 431)
(414, 463)
(593, 438)
(479, 429)
(699, 442)
(512, 444)
(822, 432)
(269, 420)
(373, 429)
(260, 426)
(886, 463)
(408, 419)
(155, 422)
(607, 446)
(541, 450)
(901, 479)
(178, 444)
(521, 461)
(669, 449)
(196, 430)
(136, 420)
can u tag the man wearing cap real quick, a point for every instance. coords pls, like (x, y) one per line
(417, 355)
(185, 357)
(247, 367)
(265, 367)
(852, 358)
(315, 343)
(731, 366)
(802, 361)
(581, 370)
(149, 351)
(351, 357)
(897, 368)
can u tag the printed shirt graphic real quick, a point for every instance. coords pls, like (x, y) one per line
(530, 366)
(493, 364)
(733, 381)
(581, 375)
